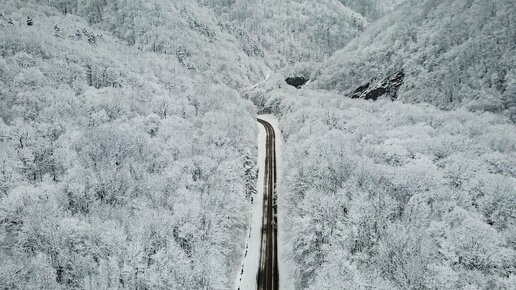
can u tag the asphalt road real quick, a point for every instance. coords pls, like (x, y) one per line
(268, 276)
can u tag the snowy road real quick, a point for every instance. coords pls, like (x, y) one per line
(268, 274)
(260, 264)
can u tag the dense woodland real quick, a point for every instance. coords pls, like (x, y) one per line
(453, 53)
(288, 32)
(396, 196)
(120, 168)
(128, 142)
(386, 195)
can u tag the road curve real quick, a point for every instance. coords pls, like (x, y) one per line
(268, 275)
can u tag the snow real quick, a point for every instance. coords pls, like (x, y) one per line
(247, 279)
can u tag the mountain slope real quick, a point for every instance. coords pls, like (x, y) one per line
(121, 167)
(413, 193)
(453, 53)
(182, 29)
(292, 31)
(385, 195)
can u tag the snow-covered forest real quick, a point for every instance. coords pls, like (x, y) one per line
(398, 196)
(120, 167)
(453, 53)
(128, 155)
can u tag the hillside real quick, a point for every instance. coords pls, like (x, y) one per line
(112, 160)
(400, 153)
(287, 32)
(181, 29)
(453, 54)
(384, 195)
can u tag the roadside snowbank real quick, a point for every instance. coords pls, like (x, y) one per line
(251, 256)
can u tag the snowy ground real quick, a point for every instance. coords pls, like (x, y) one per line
(247, 278)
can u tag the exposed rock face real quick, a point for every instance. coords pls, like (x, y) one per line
(297, 82)
(388, 87)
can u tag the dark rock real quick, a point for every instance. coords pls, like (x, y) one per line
(29, 21)
(388, 87)
(296, 82)
(361, 89)
(375, 93)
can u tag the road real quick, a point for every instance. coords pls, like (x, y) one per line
(268, 275)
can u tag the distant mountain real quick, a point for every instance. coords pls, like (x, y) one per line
(372, 9)
(295, 31)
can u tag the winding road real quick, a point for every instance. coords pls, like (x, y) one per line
(267, 277)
